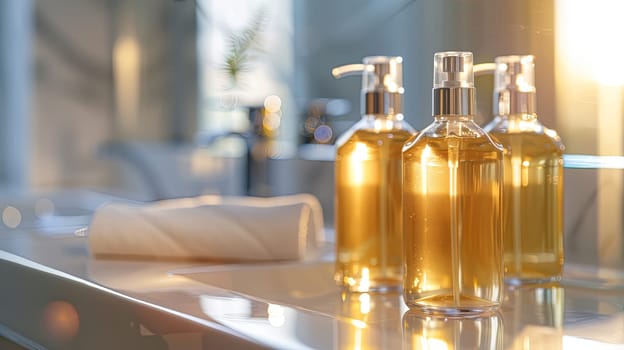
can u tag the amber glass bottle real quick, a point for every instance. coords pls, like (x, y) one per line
(533, 186)
(452, 196)
(368, 181)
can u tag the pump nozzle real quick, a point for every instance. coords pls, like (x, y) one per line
(382, 83)
(350, 69)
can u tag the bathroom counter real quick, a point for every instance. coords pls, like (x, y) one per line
(56, 296)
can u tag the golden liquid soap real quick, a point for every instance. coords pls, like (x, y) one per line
(452, 224)
(368, 210)
(533, 183)
(533, 207)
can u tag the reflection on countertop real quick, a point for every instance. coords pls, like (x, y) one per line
(292, 305)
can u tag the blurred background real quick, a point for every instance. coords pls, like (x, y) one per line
(156, 99)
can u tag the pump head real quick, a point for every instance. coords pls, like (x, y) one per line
(453, 69)
(382, 83)
(453, 83)
(514, 85)
(515, 73)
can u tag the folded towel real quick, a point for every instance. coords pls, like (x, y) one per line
(210, 227)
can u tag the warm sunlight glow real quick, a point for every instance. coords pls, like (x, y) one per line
(516, 162)
(126, 63)
(365, 280)
(358, 323)
(360, 154)
(365, 303)
(424, 159)
(588, 53)
(425, 343)
(589, 34)
(357, 339)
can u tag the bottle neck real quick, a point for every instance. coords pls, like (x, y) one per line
(514, 102)
(382, 103)
(453, 101)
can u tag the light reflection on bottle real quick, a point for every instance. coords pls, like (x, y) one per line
(534, 317)
(366, 321)
(425, 332)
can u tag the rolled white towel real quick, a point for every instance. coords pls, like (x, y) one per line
(210, 227)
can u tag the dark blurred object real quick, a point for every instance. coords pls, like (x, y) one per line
(260, 143)
(317, 124)
(265, 123)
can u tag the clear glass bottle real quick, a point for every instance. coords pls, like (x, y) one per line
(533, 186)
(452, 197)
(368, 181)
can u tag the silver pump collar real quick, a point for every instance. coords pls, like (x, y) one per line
(382, 102)
(453, 101)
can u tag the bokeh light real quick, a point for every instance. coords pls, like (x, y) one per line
(60, 321)
(11, 217)
(273, 104)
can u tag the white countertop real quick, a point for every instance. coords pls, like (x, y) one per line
(297, 305)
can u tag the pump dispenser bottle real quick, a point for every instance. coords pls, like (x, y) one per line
(533, 186)
(452, 197)
(368, 181)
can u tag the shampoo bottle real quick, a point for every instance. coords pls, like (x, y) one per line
(533, 186)
(368, 181)
(452, 197)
